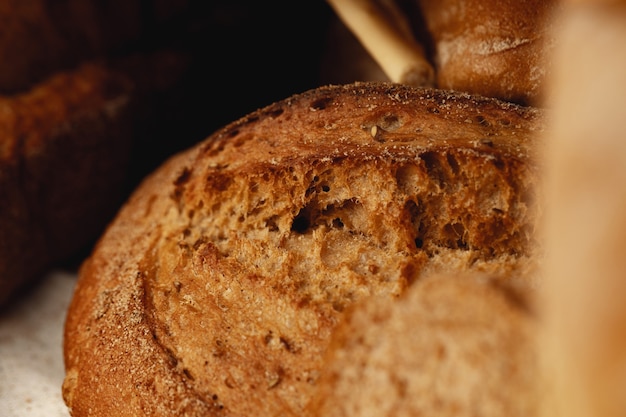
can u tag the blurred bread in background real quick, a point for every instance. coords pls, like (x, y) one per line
(496, 48)
(493, 48)
(40, 37)
(64, 153)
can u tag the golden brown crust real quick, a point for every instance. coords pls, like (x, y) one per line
(496, 48)
(216, 289)
(63, 153)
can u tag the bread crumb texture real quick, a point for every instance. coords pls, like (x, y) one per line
(217, 288)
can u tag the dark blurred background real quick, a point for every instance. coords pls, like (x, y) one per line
(242, 55)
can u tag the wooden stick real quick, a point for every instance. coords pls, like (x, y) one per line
(384, 33)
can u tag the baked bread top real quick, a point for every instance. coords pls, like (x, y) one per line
(217, 287)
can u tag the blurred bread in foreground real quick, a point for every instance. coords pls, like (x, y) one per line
(585, 227)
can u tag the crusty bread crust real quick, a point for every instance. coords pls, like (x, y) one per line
(216, 289)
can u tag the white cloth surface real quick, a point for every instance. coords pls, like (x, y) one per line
(31, 352)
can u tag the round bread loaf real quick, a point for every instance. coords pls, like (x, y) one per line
(451, 345)
(216, 289)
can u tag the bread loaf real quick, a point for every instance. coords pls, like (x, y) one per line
(216, 289)
(64, 150)
(494, 48)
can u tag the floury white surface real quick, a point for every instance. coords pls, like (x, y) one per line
(31, 354)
